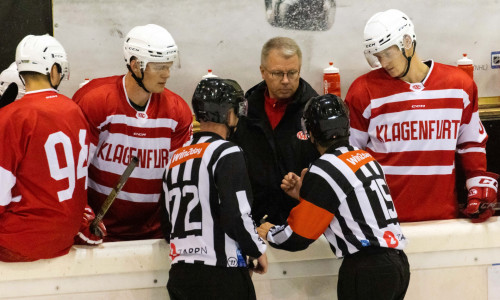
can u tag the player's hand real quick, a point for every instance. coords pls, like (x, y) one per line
(482, 196)
(291, 184)
(263, 229)
(261, 266)
(85, 236)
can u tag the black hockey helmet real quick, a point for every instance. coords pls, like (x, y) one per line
(214, 97)
(326, 117)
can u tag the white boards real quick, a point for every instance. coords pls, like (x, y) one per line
(227, 36)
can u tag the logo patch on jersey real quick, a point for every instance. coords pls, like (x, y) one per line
(232, 262)
(365, 243)
(302, 136)
(416, 87)
(356, 159)
(141, 115)
(173, 253)
(186, 153)
(390, 239)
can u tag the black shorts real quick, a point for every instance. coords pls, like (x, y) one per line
(197, 281)
(375, 274)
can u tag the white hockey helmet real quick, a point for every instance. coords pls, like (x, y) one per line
(10, 75)
(38, 53)
(149, 43)
(385, 29)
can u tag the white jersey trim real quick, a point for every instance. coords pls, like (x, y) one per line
(418, 170)
(8, 180)
(136, 122)
(42, 91)
(472, 149)
(133, 197)
(421, 95)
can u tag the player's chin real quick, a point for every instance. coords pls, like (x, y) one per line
(158, 88)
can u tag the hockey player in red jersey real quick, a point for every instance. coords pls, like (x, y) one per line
(134, 115)
(43, 158)
(413, 116)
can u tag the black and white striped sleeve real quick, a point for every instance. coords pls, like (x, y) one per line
(233, 185)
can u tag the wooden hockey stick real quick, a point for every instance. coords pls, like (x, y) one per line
(494, 206)
(94, 228)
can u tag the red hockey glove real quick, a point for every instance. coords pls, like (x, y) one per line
(482, 196)
(84, 236)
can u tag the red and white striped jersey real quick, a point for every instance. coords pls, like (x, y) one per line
(43, 174)
(414, 130)
(120, 132)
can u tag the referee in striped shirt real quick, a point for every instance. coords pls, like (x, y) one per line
(344, 196)
(208, 199)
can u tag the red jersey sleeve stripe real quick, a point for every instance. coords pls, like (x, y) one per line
(309, 220)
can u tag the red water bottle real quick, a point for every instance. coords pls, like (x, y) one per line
(465, 64)
(331, 80)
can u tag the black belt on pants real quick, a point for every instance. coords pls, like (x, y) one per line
(377, 250)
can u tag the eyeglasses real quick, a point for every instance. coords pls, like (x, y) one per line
(291, 75)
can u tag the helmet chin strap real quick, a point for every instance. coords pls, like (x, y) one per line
(138, 80)
(230, 131)
(408, 59)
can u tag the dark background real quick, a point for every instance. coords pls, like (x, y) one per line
(19, 18)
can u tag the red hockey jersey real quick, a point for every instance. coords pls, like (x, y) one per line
(120, 132)
(414, 130)
(43, 172)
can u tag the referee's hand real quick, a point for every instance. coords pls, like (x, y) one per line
(292, 183)
(263, 229)
(261, 267)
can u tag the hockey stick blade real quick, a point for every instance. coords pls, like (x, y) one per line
(9, 95)
(94, 228)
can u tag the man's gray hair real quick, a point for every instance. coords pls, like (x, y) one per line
(287, 47)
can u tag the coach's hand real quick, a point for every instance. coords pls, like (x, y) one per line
(482, 196)
(85, 236)
(291, 184)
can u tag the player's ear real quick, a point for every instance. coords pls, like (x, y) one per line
(135, 65)
(407, 42)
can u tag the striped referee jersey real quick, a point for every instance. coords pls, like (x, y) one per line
(345, 197)
(208, 200)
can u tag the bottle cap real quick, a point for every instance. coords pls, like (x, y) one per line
(209, 74)
(331, 69)
(464, 60)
